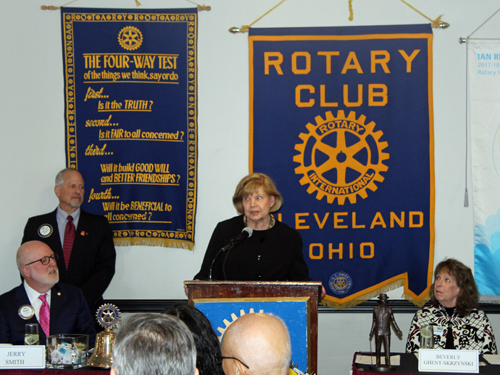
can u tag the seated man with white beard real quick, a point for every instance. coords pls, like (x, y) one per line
(56, 307)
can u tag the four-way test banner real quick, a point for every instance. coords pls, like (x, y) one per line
(130, 83)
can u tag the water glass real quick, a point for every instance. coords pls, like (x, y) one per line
(427, 337)
(31, 334)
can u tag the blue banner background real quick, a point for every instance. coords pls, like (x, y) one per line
(131, 119)
(287, 143)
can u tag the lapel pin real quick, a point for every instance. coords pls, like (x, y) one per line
(26, 312)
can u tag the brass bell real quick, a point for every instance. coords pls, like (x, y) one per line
(107, 316)
(103, 350)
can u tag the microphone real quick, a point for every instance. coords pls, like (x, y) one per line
(245, 233)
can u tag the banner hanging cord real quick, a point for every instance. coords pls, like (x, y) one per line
(52, 7)
(137, 3)
(201, 7)
(244, 28)
(437, 23)
(466, 192)
(462, 40)
(467, 120)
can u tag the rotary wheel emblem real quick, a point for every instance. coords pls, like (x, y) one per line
(130, 38)
(341, 157)
(234, 317)
(108, 315)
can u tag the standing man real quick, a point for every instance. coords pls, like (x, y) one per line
(381, 327)
(83, 242)
(56, 307)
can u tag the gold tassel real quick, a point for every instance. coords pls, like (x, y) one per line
(437, 23)
(244, 28)
(201, 7)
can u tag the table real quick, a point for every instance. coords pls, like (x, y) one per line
(409, 365)
(81, 371)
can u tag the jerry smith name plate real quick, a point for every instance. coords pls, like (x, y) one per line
(22, 356)
(431, 360)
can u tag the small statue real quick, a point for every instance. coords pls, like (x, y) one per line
(381, 327)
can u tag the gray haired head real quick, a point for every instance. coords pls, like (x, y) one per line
(154, 344)
(60, 176)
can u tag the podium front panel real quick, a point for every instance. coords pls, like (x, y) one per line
(293, 311)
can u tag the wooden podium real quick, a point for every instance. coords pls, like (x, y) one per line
(295, 302)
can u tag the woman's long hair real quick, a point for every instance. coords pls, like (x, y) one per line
(468, 297)
(208, 357)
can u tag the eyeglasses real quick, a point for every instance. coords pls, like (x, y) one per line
(45, 260)
(239, 360)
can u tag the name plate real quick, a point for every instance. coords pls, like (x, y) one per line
(22, 356)
(445, 360)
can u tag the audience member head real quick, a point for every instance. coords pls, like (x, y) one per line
(69, 189)
(157, 344)
(257, 344)
(251, 184)
(454, 286)
(37, 263)
(208, 350)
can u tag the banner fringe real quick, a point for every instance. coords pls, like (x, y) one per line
(420, 303)
(366, 297)
(164, 242)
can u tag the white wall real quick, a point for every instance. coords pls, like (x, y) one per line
(32, 136)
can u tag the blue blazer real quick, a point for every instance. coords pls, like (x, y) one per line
(92, 263)
(69, 313)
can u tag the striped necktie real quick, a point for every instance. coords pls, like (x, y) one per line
(69, 238)
(44, 314)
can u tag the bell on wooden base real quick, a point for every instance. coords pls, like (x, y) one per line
(107, 316)
(103, 350)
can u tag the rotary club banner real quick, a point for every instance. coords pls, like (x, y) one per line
(342, 120)
(130, 83)
(484, 110)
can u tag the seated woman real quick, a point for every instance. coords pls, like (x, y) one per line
(458, 324)
(208, 351)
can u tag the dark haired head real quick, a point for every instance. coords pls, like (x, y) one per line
(468, 297)
(207, 344)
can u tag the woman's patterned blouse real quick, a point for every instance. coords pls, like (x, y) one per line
(472, 332)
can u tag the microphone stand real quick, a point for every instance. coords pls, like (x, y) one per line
(228, 248)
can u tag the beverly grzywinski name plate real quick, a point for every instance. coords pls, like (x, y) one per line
(443, 360)
(22, 356)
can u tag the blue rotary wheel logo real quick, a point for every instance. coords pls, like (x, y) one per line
(340, 283)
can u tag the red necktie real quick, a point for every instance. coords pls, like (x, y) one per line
(69, 238)
(44, 315)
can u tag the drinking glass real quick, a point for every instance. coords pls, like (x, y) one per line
(31, 334)
(427, 337)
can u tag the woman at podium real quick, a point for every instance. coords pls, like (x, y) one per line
(254, 246)
(457, 323)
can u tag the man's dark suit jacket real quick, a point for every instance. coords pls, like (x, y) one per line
(69, 313)
(92, 263)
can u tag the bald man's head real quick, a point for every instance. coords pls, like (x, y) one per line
(261, 342)
(37, 263)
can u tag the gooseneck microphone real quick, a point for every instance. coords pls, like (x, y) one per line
(245, 233)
